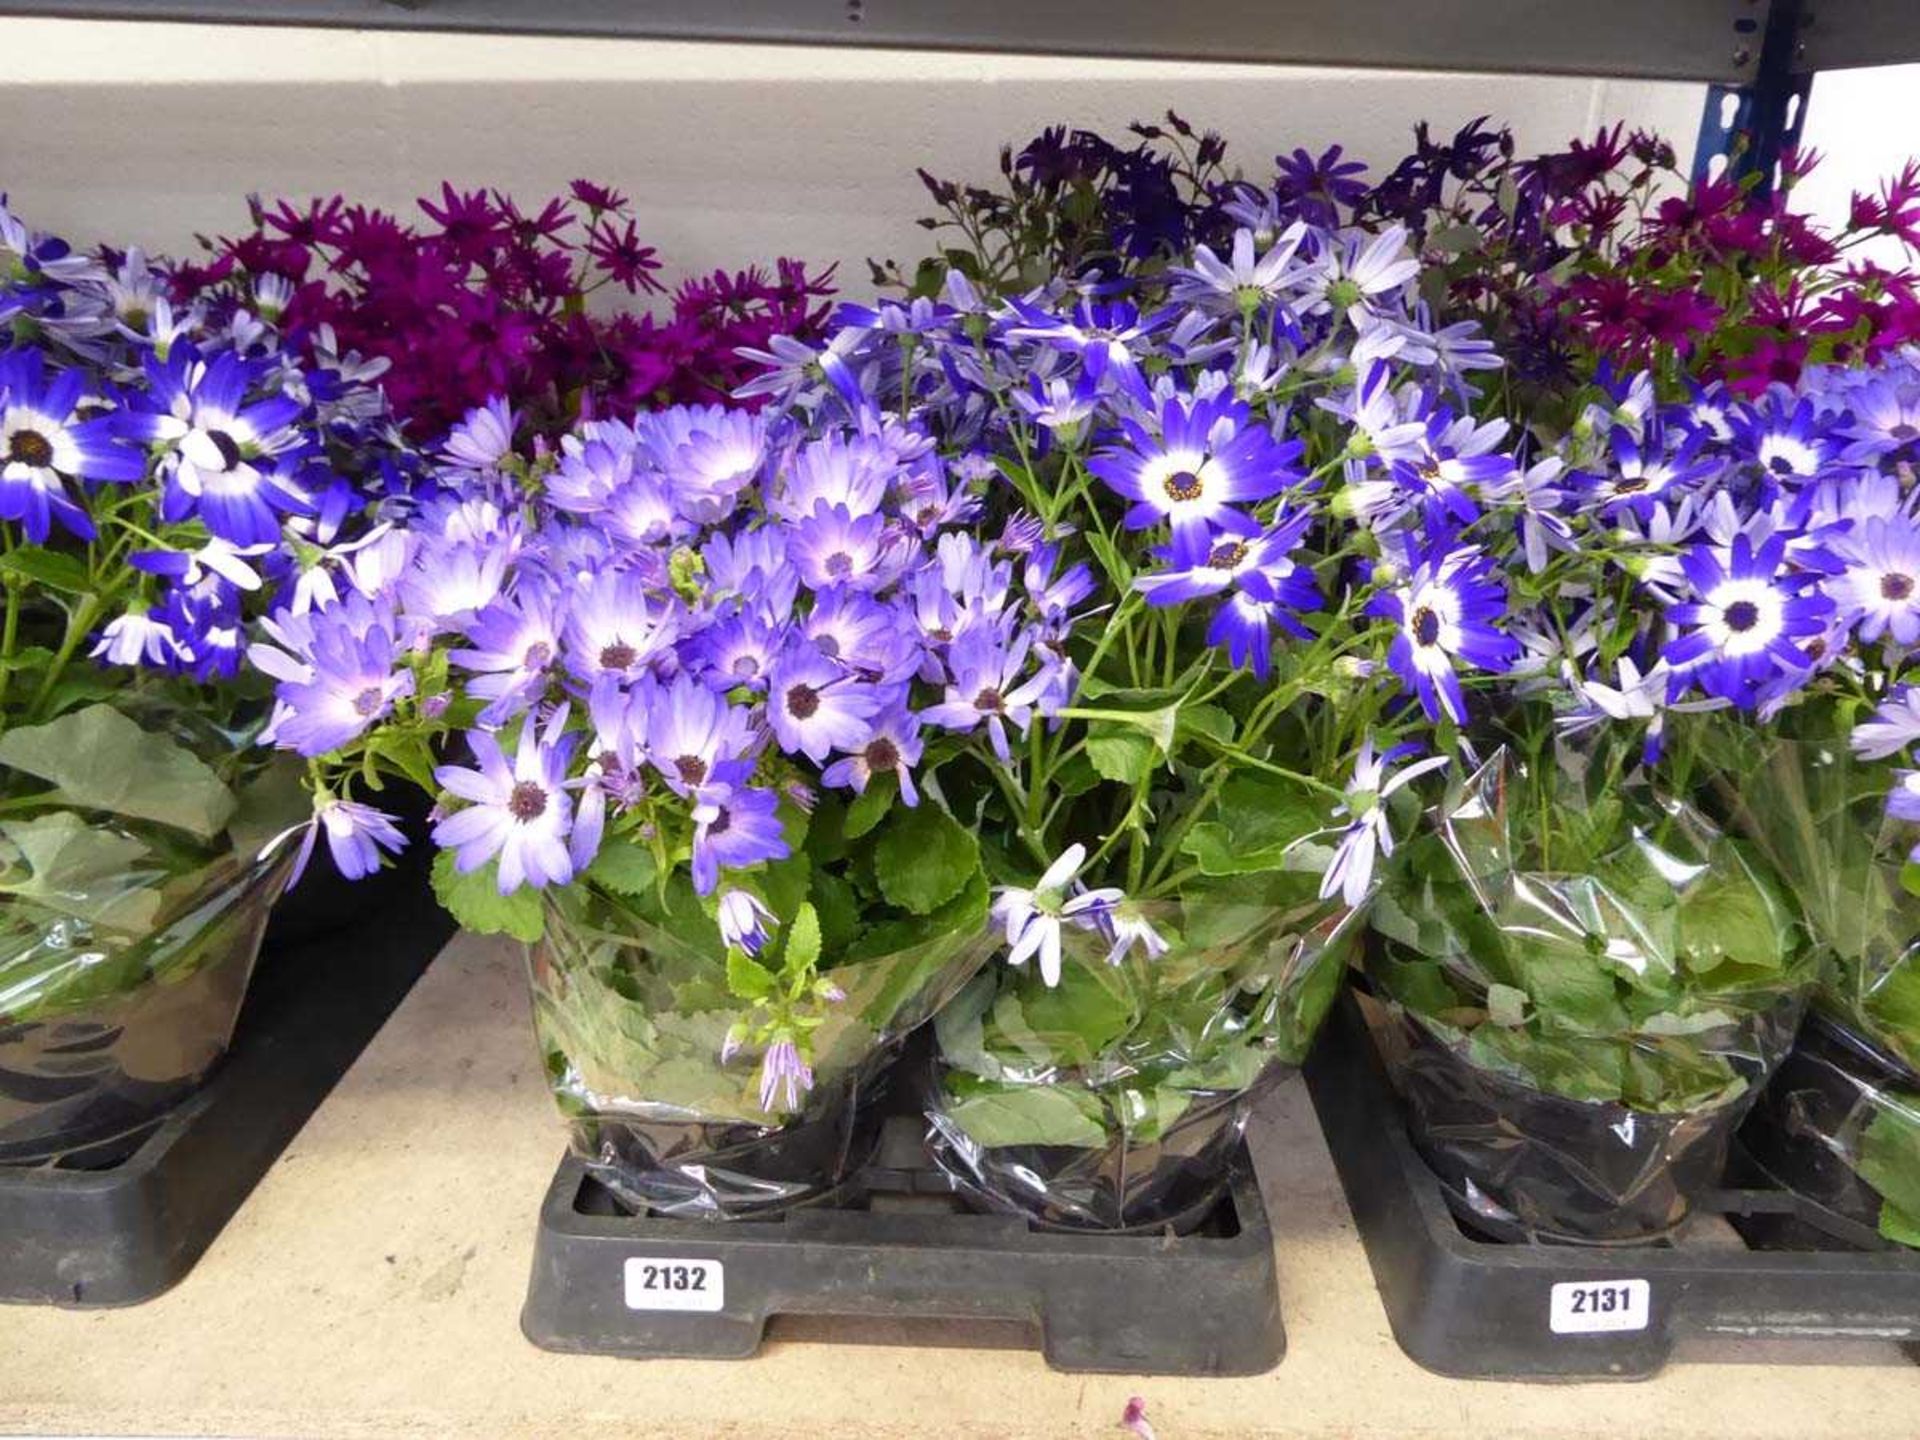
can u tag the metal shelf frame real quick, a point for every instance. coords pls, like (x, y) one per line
(1759, 56)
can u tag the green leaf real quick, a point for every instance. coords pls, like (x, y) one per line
(1209, 720)
(1730, 921)
(996, 1115)
(91, 872)
(1263, 823)
(870, 806)
(924, 858)
(1085, 1015)
(746, 977)
(475, 901)
(1889, 1158)
(101, 760)
(803, 940)
(839, 911)
(623, 867)
(1910, 878)
(50, 568)
(1120, 755)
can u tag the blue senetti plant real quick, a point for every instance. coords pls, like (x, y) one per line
(168, 477)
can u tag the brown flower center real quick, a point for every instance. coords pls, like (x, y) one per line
(618, 656)
(527, 802)
(989, 701)
(1226, 555)
(691, 769)
(803, 701)
(1895, 586)
(1742, 615)
(1426, 626)
(30, 447)
(370, 701)
(882, 754)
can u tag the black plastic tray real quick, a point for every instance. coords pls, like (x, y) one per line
(1465, 1304)
(900, 1245)
(125, 1231)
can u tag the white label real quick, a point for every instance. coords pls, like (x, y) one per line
(675, 1284)
(1598, 1307)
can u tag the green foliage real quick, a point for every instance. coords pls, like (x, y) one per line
(475, 901)
(98, 759)
(1889, 1161)
(924, 858)
(1114, 1054)
(1592, 942)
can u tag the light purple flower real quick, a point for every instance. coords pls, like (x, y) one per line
(518, 812)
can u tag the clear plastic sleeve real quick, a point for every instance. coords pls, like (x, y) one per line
(1586, 981)
(1116, 1100)
(632, 1021)
(104, 1026)
(1840, 1126)
(1820, 816)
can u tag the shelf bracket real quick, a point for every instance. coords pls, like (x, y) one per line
(1745, 129)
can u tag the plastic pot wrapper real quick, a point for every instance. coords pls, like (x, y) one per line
(1587, 982)
(1820, 816)
(132, 903)
(633, 1015)
(1840, 1126)
(1117, 1099)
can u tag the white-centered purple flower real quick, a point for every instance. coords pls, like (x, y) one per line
(989, 687)
(734, 827)
(1743, 623)
(483, 438)
(1445, 612)
(1879, 590)
(614, 627)
(1207, 458)
(353, 678)
(694, 738)
(892, 747)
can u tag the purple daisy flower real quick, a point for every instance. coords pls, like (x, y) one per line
(733, 827)
(512, 645)
(42, 447)
(988, 689)
(1748, 611)
(892, 746)
(614, 628)
(223, 455)
(831, 547)
(518, 812)
(693, 737)
(1879, 590)
(1208, 457)
(1445, 611)
(815, 707)
(350, 684)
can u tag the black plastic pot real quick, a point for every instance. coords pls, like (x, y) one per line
(703, 1170)
(1806, 1130)
(1175, 1181)
(94, 1080)
(1521, 1163)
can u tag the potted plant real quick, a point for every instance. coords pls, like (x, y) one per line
(163, 471)
(662, 677)
(1182, 801)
